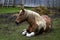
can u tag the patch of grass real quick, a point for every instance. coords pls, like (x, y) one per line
(10, 9)
(42, 10)
(30, 8)
(10, 31)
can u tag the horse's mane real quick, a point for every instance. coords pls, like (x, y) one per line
(34, 15)
(31, 13)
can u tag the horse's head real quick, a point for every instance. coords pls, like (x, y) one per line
(21, 17)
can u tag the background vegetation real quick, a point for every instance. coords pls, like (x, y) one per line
(4, 10)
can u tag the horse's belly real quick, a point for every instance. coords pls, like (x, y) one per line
(41, 24)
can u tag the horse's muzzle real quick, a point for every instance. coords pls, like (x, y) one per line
(17, 23)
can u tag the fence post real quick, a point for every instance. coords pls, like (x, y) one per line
(22, 5)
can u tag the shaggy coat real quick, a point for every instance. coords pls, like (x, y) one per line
(37, 23)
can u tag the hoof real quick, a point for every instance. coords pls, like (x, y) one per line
(30, 34)
(24, 32)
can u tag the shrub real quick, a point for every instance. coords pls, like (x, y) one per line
(41, 10)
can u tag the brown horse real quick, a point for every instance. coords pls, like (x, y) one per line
(36, 22)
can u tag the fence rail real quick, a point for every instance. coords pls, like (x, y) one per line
(31, 3)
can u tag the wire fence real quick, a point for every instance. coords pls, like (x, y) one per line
(31, 3)
(54, 5)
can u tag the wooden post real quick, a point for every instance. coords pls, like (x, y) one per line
(3, 3)
(8, 3)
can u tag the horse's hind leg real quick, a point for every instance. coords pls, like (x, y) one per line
(50, 28)
(41, 31)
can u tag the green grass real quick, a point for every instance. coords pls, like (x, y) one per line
(9, 31)
(10, 9)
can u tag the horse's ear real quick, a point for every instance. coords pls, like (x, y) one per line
(23, 10)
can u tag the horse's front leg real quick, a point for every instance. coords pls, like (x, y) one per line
(24, 32)
(31, 30)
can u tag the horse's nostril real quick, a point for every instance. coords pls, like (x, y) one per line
(16, 22)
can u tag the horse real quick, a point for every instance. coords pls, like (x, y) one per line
(37, 23)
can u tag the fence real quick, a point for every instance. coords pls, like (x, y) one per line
(31, 3)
